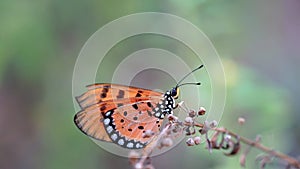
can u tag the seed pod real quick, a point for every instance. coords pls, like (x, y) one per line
(190, 142)
(166, 142)
(201, 111)
(197, 140)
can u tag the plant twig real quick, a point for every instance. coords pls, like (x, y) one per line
(148, 150)
(290, 160)
(222, 139)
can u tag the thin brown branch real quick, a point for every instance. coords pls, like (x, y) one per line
(290, 160)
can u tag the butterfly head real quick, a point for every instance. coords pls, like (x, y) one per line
(174, 92)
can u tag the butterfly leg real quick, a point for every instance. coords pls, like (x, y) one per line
(182, 106)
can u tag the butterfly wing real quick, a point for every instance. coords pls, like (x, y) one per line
(125, 125)
(102, 92)
(91, 119)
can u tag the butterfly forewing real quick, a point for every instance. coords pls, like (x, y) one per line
(102, 92)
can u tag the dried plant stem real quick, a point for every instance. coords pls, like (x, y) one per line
(290, 160)
(148, 150)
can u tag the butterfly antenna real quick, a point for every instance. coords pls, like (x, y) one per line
(189, 84)
(178, 84)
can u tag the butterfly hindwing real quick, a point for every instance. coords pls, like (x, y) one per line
(125, 125)
(89, 122)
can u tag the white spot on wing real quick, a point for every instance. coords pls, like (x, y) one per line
(108, 113)
(138, 145)
(121, 142)
(114, 136)
(109, 129)
(130, 145)
(106, 121)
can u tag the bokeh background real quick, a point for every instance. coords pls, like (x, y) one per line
(258, 42)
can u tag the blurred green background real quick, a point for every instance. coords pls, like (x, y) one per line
(258, 42)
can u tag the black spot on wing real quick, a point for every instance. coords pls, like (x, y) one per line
(105, 89)
(149, 113)
(103, 95)
(138, 95)
(135, 106)
(120, 94)
(102, 108)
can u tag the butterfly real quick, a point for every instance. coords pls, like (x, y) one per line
(120, 114)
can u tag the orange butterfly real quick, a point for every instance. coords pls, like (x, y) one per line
(121, 114)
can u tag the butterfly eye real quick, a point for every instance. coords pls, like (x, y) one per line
(175, 93)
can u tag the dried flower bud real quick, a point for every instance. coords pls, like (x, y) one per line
(197, 140)
(138, 166)
(190, 142)
(241, 120)
(147, 134)
(201, 111)
(192, 113)
(171, 117)
(227, 138)
(234, 146)
(149, 166)
(166, 142)
(188, 120)
(133, 157)
(213, 124)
